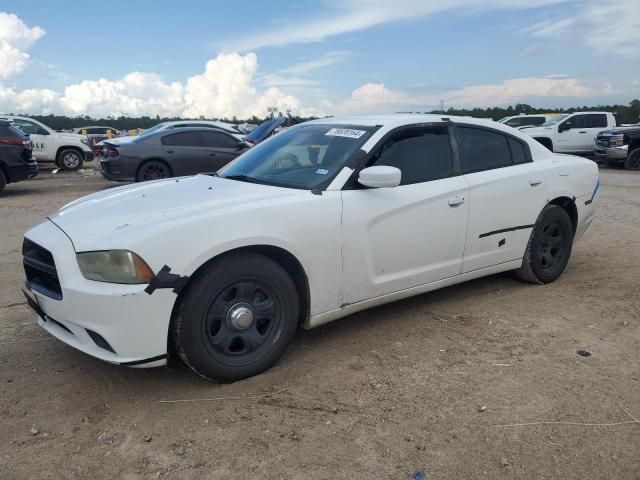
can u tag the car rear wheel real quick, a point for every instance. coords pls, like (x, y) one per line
(3, 181)
(70, 160)
(153, 170)
(237, 318)
(633, 161)
(549, 246)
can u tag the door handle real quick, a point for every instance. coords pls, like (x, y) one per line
(169, 151)
(534, 181)
(212, 154)
(455, 201)
(582, 131)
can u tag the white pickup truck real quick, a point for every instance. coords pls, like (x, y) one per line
(67, 150)
(572, 132)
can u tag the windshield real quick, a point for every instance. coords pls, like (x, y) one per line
(555, 120)
(306, 156)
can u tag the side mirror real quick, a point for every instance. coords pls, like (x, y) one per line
(380, 176)
(564, 126)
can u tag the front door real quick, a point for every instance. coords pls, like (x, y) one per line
(581, 133)
(407, 236)
(220, 149)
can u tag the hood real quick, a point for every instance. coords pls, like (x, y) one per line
(262, 131)
(108, 218)
(619, 130)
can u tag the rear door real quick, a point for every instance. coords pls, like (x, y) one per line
(507, 193)
(220, 149)
(184, 151)
(410, 235)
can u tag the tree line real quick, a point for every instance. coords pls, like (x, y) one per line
(624, 114)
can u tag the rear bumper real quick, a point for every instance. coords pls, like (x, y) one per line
(23, 171)
(119, 324)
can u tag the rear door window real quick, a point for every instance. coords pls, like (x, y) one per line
(482, 149)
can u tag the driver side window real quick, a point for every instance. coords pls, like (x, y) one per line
(30, 128)
(421, 154)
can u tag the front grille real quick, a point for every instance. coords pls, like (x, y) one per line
(40, 269)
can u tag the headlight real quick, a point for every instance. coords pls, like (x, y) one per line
(114, 266)
(616, 140)
(85, 141)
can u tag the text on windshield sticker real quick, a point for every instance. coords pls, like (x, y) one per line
(345, 132)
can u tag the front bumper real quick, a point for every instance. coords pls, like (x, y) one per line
(611, 154)
(116, 323)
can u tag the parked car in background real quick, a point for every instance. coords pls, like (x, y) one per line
(66, 150)
(524, 120)
(97, 130)
(16, 155)
(572, 132)
(620, 146)
(325, 219)
(168, 152)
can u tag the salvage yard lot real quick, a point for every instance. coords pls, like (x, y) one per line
(382, 394)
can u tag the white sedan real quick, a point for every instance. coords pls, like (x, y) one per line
(325, 219)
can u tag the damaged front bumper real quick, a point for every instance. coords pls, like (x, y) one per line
(116, 323)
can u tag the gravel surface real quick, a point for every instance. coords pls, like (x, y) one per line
(415, 389)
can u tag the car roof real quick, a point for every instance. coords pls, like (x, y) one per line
(166, 131)
(399, 120)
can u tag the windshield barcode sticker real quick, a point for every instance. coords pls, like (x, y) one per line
(345, 132)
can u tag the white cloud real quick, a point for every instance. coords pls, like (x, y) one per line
(326, 60)
(376, 97)
(12, 60)
(346, 16)
(15, 38)
(225, 88)
(611, 27)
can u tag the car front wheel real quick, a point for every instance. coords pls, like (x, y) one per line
(237, 317)
(549, 246)
(633, 161)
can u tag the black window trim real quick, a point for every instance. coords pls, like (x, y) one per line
(182, 131)
(365, 160)
(454, 137)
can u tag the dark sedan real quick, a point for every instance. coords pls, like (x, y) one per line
(16, 155)
(169, 153)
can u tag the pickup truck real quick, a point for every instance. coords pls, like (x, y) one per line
(67, 150)
(620, 146)
(572, 132)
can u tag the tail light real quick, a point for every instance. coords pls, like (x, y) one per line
(14, 141)
(111, 152)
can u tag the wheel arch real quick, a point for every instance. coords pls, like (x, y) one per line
(569, 205)
(5, 171)
(281, 256)
(69, 147)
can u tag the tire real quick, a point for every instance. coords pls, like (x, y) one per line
(632, 161)
(549, 246)
(153, 170)
(70, 160)
(215, 336)
(3, 181)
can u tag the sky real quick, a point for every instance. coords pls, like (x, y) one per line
(326, 57)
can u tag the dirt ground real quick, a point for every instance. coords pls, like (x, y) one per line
(414, 389)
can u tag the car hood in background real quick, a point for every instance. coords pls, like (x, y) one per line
(262, 131)
(105, 219)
